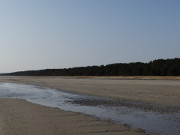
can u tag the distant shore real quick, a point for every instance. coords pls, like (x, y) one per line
(160, 67)
(20, 117)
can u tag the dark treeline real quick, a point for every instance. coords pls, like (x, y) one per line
(160, 67)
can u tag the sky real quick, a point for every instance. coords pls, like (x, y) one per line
(46, 34)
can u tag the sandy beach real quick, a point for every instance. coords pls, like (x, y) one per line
(19, 117)
(153, 90)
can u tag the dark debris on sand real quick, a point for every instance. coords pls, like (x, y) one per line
(126, 103)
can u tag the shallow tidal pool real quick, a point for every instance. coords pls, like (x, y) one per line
(150, 121)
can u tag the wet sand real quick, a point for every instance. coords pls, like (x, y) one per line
(18, 117)
(164, 92)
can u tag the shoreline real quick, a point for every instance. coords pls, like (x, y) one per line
(21, 117)
(158, 92)
(74, 84)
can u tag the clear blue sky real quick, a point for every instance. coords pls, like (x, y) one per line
(40, 34)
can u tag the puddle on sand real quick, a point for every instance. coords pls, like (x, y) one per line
(167, 123)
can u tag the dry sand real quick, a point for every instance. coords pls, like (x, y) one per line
(18, 117)
(166, 92)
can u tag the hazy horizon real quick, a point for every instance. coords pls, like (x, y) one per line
(48, 34)
(90, 65)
